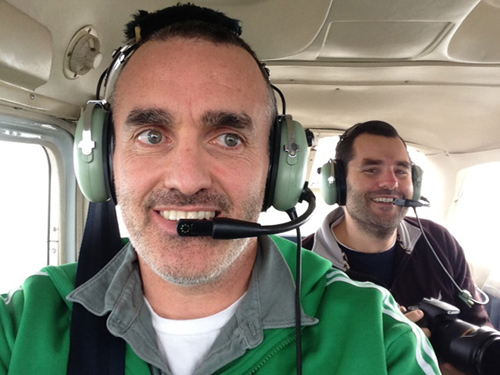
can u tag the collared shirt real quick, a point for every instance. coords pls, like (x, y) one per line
(269, 303)
(349, 317)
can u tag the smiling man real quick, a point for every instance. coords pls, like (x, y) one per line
(193, 113)
(379, 172)
(198, 116)
(370, 238)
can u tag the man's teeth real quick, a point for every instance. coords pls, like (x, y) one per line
(384, 200)
(194, 215)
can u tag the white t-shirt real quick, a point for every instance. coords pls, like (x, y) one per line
(184, 343)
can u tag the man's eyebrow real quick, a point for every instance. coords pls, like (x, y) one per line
(371, 161)
(228, 119)
(404, 164)
(161, 117)
(149, 116)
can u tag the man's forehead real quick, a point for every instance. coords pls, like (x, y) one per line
(174, 47)
(375, 149)
(185, 57)
(156, 77)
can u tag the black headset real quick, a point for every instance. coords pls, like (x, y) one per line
(333, 178)
(94, 145)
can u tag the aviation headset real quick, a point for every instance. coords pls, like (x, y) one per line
(93, 163)
(334, 189)
(94, 146)
(333, 177)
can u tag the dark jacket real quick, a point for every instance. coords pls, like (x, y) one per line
(417, 274)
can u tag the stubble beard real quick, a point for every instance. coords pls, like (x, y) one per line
(374, 225)
(157, 249)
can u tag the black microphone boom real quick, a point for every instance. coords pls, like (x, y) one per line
(411, 203)
(226, 229)
(219, 228)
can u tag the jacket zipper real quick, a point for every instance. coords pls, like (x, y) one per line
(285, 343)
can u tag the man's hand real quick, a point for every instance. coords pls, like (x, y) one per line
(449, 369)
(415, 316)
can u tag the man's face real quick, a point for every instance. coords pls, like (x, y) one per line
(192, 128)
(379, 172)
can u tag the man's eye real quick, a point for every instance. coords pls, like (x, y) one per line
(230, 140)
(151, 137)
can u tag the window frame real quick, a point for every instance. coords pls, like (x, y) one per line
(55, 137)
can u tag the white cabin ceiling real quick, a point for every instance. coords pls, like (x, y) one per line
(429, 67)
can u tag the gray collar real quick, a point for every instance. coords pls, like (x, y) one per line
(268, 304)
(326, 245)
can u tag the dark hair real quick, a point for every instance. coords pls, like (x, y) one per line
(193, 22)
(149, 23)
(344, 150)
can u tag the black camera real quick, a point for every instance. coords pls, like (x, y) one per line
(471, 349)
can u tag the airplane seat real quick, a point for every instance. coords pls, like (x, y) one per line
(489, 282)
(492, 289)
(480, 273)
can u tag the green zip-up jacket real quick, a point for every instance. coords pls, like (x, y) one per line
(348, 327)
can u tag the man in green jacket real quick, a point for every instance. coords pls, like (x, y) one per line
(193, 111)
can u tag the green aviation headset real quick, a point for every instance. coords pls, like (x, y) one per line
(334, 187)
(93, 159)
(333, 178)
(94, 145)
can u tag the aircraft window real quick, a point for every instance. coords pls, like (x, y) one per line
(325, 150)
(475, 225)
(25, 211)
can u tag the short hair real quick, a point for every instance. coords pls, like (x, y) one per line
(189, 21)
(192, 22)
(345, 151)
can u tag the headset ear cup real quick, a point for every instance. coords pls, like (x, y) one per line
(108, 152)
(341, 177)
(417, 176)
(290, 168)
(328, 185)
(333, 186)
(90, 153)
(274, 144)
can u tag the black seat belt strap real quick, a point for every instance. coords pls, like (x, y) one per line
(93, 349)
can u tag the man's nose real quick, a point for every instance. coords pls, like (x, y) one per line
(388, 180)
(189, 170)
